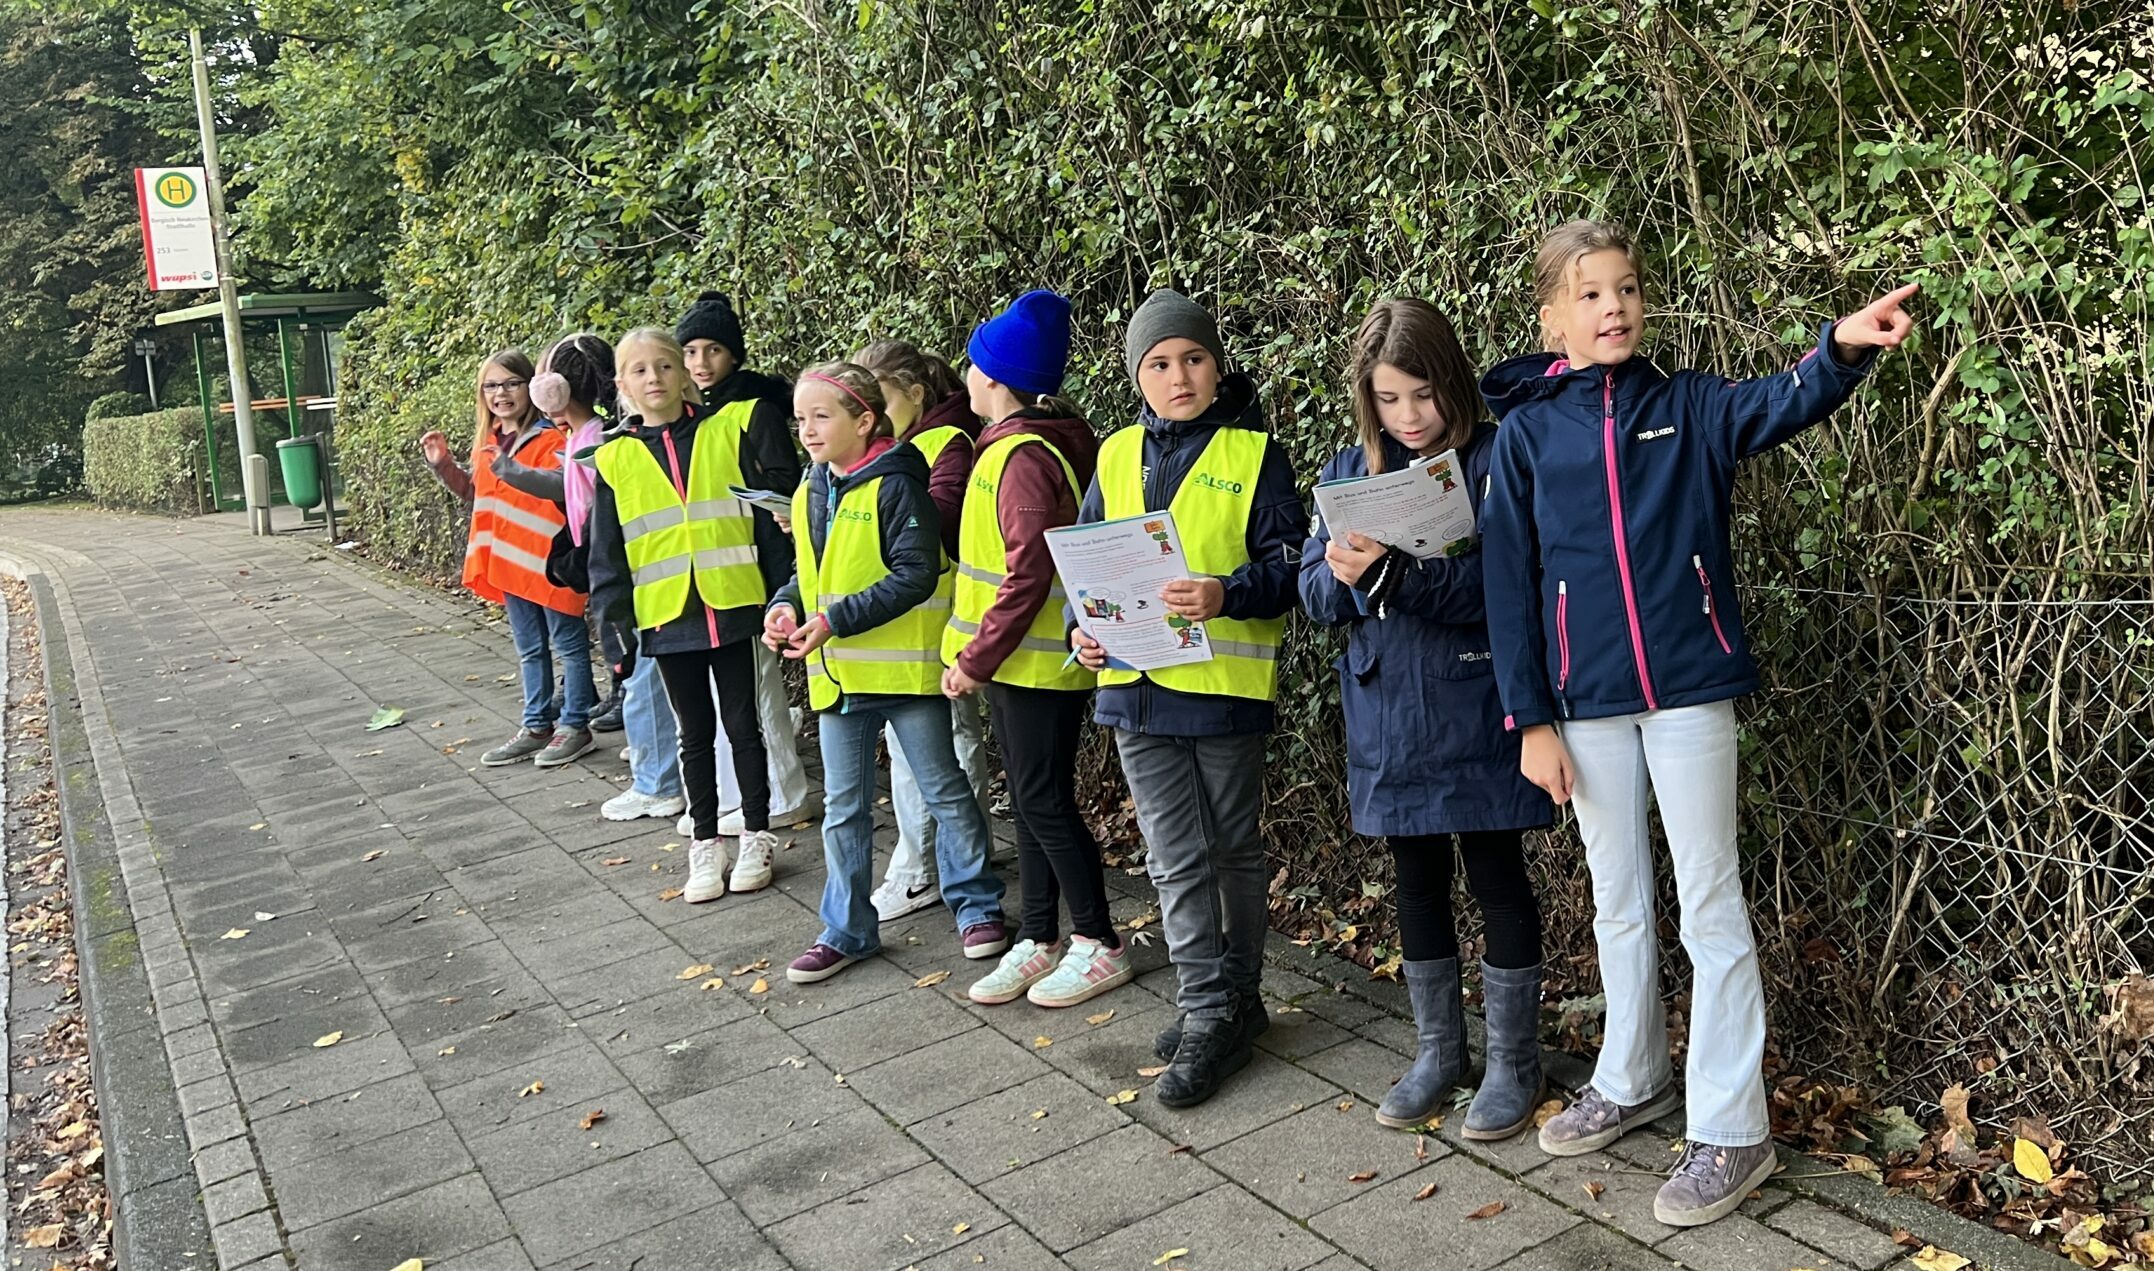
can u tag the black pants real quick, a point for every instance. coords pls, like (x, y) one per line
(1057, 858)
(690, 678)
(1495, 873)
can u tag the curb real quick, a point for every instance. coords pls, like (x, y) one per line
(1851, 1194)
(158, 1217)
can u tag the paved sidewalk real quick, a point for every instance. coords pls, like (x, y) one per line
(499, 966)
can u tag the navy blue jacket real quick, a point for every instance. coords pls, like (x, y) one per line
(1263, 588)
(1426, 750)
(1610, 580)
(911, 546)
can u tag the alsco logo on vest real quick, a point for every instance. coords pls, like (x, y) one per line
(1210, 482)
(855, 514)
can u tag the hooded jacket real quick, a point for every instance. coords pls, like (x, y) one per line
(1262, 588)
(1609, 576)
(911, 546)
(768, 461)
(1426, 750)
(953, 467)
(1034, 497)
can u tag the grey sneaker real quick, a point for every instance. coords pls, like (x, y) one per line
(1595, 1121)
(526, 743)
(1710, 1181)
(566, 744)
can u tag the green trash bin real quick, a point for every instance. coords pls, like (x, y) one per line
(301, 460)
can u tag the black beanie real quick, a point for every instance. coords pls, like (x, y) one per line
(711, 317)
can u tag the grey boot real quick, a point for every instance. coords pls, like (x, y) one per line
(1440, 1019)
(1512, 1086)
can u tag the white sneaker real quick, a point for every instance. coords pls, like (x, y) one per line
(734, 824)
(895, 898)
(752, 871)
(630, 805)
(706, 871)
(686, 826)
(626, 751)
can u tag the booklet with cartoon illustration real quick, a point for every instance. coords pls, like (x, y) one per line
(1422, 509)
(1113, 571)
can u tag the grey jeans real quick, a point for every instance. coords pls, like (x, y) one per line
(1197, 802)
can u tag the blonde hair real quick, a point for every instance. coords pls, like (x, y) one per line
(517, 363)
(1416, 339)
(1561, 250)
(665, 342)
(857, 386)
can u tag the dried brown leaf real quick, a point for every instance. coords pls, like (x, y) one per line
(1490, 1210)
(1361, 1176)
(591, 1118)
(1426, 1192)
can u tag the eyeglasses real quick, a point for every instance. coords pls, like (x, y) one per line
(502, 386)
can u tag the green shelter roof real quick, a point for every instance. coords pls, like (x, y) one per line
(304, 304)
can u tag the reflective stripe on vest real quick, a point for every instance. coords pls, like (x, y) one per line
(983, 562)
(512, 532)
(708, 536)
(1211, 510)
(897, 657)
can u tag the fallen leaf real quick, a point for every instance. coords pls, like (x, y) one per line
(614, 860)
(236, 933)
(1490, 1210)
(760, 964)
(715, 982)
(413, 1264)
(1040, 1114)
(1546, 1112)
(45, 1237)
(1932, 1258)
(1346, 1105)
(374, 855)
(671, 893)
(1042, 1042)
(591, 1118)
(1954, 1101)
(2031, 1161)
(386, 717)
(1425, 1192)
(690, 973)
(960, 1229)
(1421, 1148)
(1169, 1256)
(1100, 1018)
(532, 1089)
(1594, 1190)
(1139, 921)
(259, 825)
(263, 915)
(1361, 1177)
(446, 1051)
(329, 1039)
(931, 979)
(760, 986)
(73, 1130)
(1152, 1070)
(1180, 1148)
(1121, 1097)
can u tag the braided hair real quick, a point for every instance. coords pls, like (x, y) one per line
(578, 368)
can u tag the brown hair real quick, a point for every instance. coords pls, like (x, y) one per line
(1411, 336)
(857, 387)
(1560, 251)
(667, 344)
(907, 365)
(517, 363)
(1054, 404)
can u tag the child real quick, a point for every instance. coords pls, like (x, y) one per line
(929, 410)
(1427, 755)
(675, 568)
(716, 349)
(1612, 608)
(1006, 637)
(865, 613)
(1191, 737)
(512, 533)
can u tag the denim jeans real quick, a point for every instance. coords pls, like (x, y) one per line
(540, 634)
(922, 725)
(916, 829)
(1687, 757)
(654, 742)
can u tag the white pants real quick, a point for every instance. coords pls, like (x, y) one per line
(910, 859)
(1689, 754)
(788, 780)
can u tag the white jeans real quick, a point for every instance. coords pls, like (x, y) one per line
(909, 860)
(1689, 753)
(788, 780)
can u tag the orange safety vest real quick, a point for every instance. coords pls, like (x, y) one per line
(511, 532)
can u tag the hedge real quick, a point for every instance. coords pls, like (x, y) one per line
(146, 462)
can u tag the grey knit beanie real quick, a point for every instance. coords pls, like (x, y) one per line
(1170, 315)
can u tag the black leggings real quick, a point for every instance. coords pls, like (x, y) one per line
(1057, 859)
(1495, 873)
(689, 679)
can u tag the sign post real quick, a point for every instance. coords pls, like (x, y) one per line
(235, 346)
(177, 242)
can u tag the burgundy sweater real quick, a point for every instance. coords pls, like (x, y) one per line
(1034, 498)
(946, 481)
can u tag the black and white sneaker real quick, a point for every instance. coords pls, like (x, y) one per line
(894, 899)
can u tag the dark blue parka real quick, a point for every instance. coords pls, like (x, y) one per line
(1609, 575)
(1263, 588)
(1426, 750)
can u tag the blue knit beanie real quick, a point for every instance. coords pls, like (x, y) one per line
(1026, 346)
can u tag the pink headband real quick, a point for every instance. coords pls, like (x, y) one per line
(843, 386)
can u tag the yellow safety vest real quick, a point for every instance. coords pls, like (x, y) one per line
(896, 657)
(1211, 511)
(934, 441)
(983, 564)
(710, 535)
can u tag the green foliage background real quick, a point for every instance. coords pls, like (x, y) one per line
(143, 462)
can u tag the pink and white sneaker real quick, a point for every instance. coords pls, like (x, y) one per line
(1086, 971)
